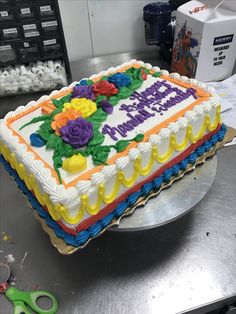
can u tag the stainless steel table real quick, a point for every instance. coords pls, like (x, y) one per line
(184, 265)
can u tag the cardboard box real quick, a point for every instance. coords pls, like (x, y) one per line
(205, 40)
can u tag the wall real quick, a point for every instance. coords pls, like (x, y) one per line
(99, 27)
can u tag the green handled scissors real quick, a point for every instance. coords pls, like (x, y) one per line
(23, 300)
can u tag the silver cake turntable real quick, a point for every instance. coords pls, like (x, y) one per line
(173, 202)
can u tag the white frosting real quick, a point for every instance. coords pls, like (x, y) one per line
(190, 115)
(83, 186)
(133, 153)
(184, 78)
(156, 69)
(122, 162)
(164, 72)
(193, 81)
(97, 178)
(164, 133)
(70, 196)
(175, 75)
(198, 110)
(206, 105)
(109, 171)
(155, 139)
(182, 122)
(148, 66)
(144, 147)
(173, 127)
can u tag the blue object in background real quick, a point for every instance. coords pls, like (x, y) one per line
(157, 17)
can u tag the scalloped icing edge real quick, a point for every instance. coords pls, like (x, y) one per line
(57, 238)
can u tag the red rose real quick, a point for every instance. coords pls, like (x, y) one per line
(104, 88)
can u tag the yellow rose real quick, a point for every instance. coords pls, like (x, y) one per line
(74, 164)
(84, 105)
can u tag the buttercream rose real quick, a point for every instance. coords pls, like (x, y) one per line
(120, 80)
(77, 132)
(61, 119)
(104, 88)
(48, 108)
(83, 92)
(85, 106)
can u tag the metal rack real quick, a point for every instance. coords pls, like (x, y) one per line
(33, 53)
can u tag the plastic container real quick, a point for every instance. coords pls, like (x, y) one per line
(26, 11)
(29, 50)
(31, 30)
(49, 27)
(51, 47)
(157, 17)
(8, 53)
(9, 33)
(6, 14)
(45, 10)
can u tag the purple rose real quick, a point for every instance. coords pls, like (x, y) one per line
(77, 132)
(83, 92)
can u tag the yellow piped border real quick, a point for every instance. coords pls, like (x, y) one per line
(58, 211)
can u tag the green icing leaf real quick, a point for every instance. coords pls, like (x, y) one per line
(66, 98)
(140, 74)
(156, 74)
(90, 82)
(52, 140)
(121, 145)
(146, 70)
(57, 102)
(124, 92)
(62, 100)
(77, 152)
(139, 137)
(45, 130)
(57, 163)
(67, 149)
(96, 125)
(104, 78)
(99, 154)
(100, 98)
(37, 119)
(98, 116)
(114, 100)
(135, 84)
(100, 157)
(135, 73)
(97, 139)
(56, 111)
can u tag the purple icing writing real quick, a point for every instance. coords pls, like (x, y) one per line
(127, 126)
(153, 98)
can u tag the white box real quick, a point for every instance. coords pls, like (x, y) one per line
(205, 40)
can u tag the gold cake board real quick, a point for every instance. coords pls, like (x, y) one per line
(66, 249)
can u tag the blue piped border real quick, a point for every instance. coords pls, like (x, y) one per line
(82, 236)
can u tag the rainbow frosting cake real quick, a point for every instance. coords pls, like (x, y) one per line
(86, 153)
